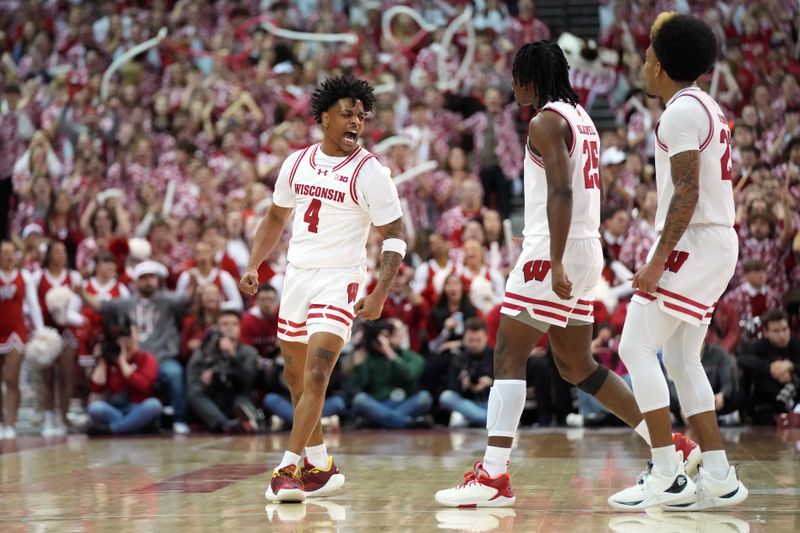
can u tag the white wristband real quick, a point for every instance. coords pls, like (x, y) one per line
(394, 245)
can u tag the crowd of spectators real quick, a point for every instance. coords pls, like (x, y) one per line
(142, 196)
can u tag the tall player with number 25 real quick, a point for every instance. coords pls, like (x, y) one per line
(689, 268)
(337, 190)
(550, 289)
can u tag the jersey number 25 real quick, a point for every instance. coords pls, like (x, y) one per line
(591, 176)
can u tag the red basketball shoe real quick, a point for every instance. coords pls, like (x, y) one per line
(478, 490)
(689, 452)
(319, 482)
(285, 486)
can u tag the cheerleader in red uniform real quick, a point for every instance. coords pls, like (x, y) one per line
(104, 285)
(56, 273)
(16, 290)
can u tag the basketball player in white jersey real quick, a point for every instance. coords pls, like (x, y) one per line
(689, 268)
(337, 190)
(550, 289)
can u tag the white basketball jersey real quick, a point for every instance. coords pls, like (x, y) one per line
(584, 163)
(335, 200)
(694, 121)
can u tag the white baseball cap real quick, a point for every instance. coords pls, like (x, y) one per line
(149, 267)
(31, 229)
(612, 156)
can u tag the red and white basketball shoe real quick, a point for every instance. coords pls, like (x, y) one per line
(319, 482)
(478, 490)
(688, 451)
(285, 486)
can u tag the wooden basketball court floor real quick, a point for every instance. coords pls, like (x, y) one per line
(212, 483)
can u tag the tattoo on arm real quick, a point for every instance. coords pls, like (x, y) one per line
(322, 353)
(686, 180)
(390, 261)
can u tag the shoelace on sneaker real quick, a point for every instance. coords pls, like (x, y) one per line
(287, 471)
(470, 478)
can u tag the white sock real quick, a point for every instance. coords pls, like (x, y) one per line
(643, 432)
(495, 460)
(715, 463)
(318, 455)
(289, 458)
(665, 460)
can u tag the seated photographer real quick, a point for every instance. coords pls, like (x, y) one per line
(220, 379)
(123, 377)
(386, 378)
(469, 377)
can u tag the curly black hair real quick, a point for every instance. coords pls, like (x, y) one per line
(685, 46)
(543, 64)
(334, 89)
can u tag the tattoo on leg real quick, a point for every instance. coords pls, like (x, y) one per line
(322, 353)
(287, 359)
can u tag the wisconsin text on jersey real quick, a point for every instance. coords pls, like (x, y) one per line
(321, 192)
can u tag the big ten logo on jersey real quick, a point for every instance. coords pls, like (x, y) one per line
(536, 270)
(8, 292)
(339, 177)
(675, 261)
(352, 292)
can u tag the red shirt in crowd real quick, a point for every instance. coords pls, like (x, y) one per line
(138, 385)
(260, 332)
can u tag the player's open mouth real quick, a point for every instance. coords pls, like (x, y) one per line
(350, 136)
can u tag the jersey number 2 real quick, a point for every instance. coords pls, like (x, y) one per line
(312, 215)
(725, 162)
(591, 177)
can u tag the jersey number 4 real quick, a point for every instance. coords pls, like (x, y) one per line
(536, 270)
(312, 215)
(591, 176)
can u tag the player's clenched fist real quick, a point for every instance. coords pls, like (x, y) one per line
(369, 307)
(249, 282)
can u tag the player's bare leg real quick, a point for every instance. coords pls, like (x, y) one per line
(572, 353)
(294, 363)
(488, 484)
(288, 483)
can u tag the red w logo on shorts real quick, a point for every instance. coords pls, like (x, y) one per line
(352, 292)
(536, 270)
(675, 260)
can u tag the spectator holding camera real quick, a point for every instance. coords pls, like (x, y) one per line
(220, 379)
(122, 381)
(386, 376)
(752, 298)
(156, 314)
(771, 367)
(470, 377)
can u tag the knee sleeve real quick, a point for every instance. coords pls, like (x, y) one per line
(506, 402)
(683, 362)
(594, 381)
(646, 329)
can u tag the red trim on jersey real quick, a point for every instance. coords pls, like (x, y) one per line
(550, 315)
(290, 323)
(333, 307)
(710, 120)
(683, 310)
(349, 158)
(514, 307)
(329, 316)
(353, 194)
(296, 164)
(292, 333)
(586, 312)
(658, 140)
(538, 302)
(574, 135)
(311, 157)
(644, 295)
(680, 298)
(585, 302)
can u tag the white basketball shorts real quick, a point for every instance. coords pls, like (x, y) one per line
(529, 286)
(318, 300)
(696, 273)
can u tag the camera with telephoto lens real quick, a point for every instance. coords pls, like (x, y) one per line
(215, 359)
(113, 330)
